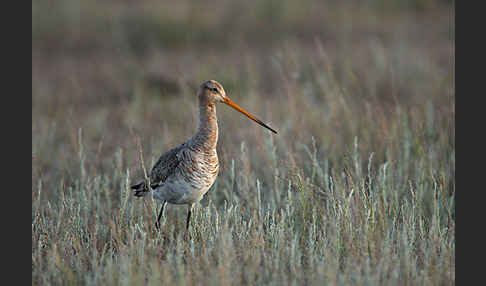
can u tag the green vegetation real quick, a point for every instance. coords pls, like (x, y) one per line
(358, 187)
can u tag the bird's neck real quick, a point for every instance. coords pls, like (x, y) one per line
(207, 126)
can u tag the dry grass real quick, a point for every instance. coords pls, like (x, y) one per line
(357, 188)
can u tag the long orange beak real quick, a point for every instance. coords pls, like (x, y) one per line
(229, 102)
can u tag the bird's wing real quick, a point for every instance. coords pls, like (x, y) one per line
(165, 166)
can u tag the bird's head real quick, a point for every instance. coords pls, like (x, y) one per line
(212, 91)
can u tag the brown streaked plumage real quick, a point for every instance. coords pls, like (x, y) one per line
(185, 173)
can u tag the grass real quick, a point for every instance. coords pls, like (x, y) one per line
(358, 187)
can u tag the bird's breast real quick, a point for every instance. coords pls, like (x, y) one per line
(199, 169)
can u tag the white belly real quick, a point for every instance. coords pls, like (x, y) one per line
(179, 192)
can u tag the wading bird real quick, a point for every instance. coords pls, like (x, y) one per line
(186, 172)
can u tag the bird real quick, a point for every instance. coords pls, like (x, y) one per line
(185, 173)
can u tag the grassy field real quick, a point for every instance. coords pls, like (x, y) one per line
(358, 187)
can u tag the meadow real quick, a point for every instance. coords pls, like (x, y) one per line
(357, 188)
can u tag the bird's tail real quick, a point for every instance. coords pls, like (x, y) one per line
(140, 189)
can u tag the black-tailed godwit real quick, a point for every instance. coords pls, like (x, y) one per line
(185, 173)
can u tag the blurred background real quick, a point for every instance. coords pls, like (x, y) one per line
(107, 72)
(358, 186)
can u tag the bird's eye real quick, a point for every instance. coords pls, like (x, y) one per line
(214, 89)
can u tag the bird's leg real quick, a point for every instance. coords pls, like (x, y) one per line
(188, 219)
(157, 223)
(189, 216)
